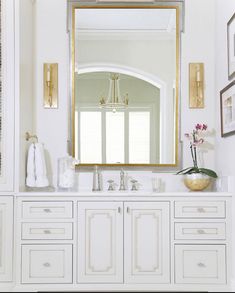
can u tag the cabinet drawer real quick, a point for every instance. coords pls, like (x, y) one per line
(47, 231)
(47, 264)
(200, 264)
(200, 209)
(47, 210)
(200, 231)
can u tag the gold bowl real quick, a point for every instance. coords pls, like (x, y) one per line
(197, 182)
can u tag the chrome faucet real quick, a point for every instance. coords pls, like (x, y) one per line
(122, 180)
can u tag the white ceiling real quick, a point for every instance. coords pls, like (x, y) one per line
(125, 21)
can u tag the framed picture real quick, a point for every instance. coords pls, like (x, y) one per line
(231, 47)
(227, 106)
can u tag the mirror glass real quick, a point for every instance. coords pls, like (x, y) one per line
(125, 86)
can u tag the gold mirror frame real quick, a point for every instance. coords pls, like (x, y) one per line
(178, 5)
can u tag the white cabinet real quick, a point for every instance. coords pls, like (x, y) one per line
(200, 209)
(119, 243)
(100, 242)
(47, 210)
(47, 231)
(146, 242)
(6, 238)
(200, 264)
(48, 264)
(46, 241)
(147, 237)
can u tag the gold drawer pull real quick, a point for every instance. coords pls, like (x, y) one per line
(201, 232)
(201, 265)
(201, 210)
(47, 232)
(47, 211)
(47, 265)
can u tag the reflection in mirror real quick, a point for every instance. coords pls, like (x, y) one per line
(125, 86)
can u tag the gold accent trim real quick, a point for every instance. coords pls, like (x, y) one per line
(177, 138)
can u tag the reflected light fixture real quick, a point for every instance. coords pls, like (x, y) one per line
(114, 101)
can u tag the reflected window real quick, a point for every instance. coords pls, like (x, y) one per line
(122, 137)
(115, 137)
(139, 137)
(90, 137)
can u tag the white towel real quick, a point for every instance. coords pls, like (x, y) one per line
(31, 178)
(36, 167)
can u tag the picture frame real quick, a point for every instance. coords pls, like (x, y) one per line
(227, 110)
(231, 47)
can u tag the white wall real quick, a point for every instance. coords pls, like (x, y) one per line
(198, 46)
(52, 45)
(225, 147)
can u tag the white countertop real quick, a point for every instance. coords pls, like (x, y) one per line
(111, 194)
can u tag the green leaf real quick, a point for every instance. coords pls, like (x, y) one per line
(189, 170)
(208, 172)
(181, 172)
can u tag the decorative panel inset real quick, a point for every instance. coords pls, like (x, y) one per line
(100, 238)
(147, 243)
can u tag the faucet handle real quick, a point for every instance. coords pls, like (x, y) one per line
(111, 185)
(134, 185)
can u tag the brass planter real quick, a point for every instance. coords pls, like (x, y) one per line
(197, 182)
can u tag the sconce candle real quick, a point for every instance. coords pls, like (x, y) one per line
(50, 86)
(48, 73)
(196, 86)
(198, 76)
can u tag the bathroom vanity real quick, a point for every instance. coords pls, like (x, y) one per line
(106, 241)
(123, 241)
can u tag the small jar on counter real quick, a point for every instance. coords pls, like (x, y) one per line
(66, 173)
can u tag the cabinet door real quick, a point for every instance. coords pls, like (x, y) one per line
(147, 251)
(100, 242)
(6, 238)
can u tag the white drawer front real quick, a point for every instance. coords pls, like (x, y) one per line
(47, 264)
(200, 231)
(200, 209)
(200, 264)
(47, 231)
(47, 210)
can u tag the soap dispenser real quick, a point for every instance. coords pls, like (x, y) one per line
(66, 173)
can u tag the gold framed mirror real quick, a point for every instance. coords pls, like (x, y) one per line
(125, 84)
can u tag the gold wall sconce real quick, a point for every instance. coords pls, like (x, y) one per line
(50, 85)
(196, 86)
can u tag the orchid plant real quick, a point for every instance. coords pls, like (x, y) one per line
(196, 140)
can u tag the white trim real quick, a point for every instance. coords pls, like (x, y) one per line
(8, 52)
